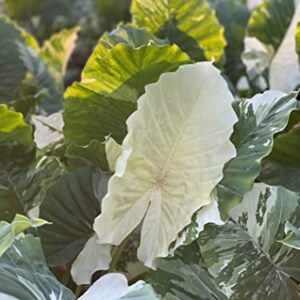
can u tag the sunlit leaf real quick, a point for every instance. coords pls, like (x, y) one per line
(191, 24)
(57, 51)
(110, 87)
(171, 159)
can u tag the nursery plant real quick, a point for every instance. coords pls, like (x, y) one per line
(169, 170)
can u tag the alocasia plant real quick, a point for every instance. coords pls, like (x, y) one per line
(172, 158)
(161, 173)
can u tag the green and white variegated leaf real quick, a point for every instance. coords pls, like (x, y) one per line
(207, 214)
(24, 273)
(12, 70)
(286, 60)
(191, 24)
(171, 159)
(292, 238)
(48, 130)
(57, 51)
(10, 231)
(110, 87)
(257, 58)
(185, 277)
(93, 257)
(129, 35)
(260, 118)
(114, 286)
(76, 200)
(245, 257)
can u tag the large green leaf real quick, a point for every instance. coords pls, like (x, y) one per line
(245, 257)
(185, 277)
(12, 70)
(260, 118)
(71, 205)
(191, 24)
(101, 103)
(233, 15)
(25, 275)
(93, 154)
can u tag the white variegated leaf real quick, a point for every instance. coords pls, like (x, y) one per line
(284, 69)
(206, 215)
(93, 257)
(113, 151)
(114, 286)
(172, 158)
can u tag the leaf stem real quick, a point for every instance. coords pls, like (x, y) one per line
(117, 253)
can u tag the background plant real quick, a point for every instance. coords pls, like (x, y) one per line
(61, 135)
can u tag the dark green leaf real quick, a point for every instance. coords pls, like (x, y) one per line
(92, 154)
(12, 70)
(71, 205)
